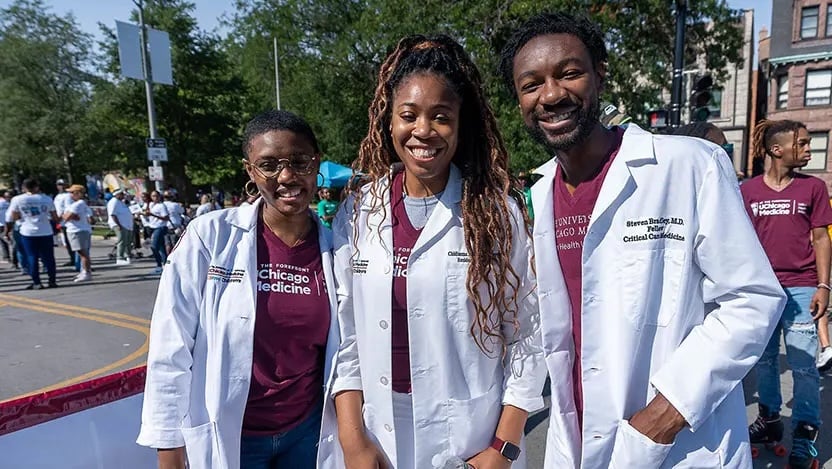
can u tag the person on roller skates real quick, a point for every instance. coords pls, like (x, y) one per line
(790, 212)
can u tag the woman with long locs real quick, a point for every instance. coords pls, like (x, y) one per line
(439, 363)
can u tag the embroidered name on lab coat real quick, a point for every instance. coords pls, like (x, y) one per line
(460, 256)
(218, 273)
(359, 266)
(646, 229)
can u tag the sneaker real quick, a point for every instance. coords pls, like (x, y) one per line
(804, 453)
(51, 285)
(123, 261)
(157, 271)
(83, 277)
(825, 359)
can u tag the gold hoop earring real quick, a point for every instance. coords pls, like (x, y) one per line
(248, 189)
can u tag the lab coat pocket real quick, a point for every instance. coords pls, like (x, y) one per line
(632, 449)
(202, 446)
(650, 282)
(472, 422)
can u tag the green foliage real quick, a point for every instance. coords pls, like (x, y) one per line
(56, 117)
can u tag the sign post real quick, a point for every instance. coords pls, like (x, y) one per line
(157, 149)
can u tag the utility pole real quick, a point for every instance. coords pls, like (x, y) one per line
(678, 64)
(276, 77)
(148, 82)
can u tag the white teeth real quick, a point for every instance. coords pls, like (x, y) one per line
(559, 117)
(289, 193)
(423, 152)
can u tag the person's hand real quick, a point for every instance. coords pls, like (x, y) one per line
(363, 454)
(820, 300)
(489, 459)
(173, 458)
(659, 421)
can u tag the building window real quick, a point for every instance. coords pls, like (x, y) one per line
(782, 91)
(715, 104)
(809, 22)
(829, 20)
(820, 149)
(818, 88)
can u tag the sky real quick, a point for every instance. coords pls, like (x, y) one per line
(90, 12)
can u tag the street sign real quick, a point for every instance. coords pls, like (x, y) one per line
(155, 173)
(157, 149)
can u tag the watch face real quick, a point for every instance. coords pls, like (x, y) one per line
(510, 451)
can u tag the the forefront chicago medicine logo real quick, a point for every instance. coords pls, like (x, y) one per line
(767, 208)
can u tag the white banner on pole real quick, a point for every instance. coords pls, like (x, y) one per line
(160, 65)
(129, 50)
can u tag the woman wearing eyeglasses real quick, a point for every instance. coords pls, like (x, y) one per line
(244, 328)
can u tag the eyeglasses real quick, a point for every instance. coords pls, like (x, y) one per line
(271, 168)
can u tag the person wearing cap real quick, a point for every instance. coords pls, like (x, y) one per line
(77, 217)
(62, 200)
(120, 220)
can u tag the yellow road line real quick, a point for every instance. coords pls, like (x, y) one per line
(99, 371)
(81, 309)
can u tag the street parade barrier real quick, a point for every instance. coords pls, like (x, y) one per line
(89, 425)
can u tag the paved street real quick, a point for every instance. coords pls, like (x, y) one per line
(54, 338)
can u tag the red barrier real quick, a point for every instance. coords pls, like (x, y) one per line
(39, 408)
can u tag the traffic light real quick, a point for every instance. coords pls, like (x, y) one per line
(657, 118)
(700, 97)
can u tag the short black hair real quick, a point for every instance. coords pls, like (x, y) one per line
(551, 23)
(30, 184)
(277, 120)
(695, 129)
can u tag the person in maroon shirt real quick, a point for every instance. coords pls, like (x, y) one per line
(790, 212)
(441, 367)
(246, 312)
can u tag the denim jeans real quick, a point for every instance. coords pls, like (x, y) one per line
(37, 248)
(157, 245)
(296, 448)
(801, 339)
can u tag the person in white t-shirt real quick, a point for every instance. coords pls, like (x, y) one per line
(77, 219)
(120, 220)
(176, 224)
(36, 213)
(62, 201)
(205, 205)
(157, 216)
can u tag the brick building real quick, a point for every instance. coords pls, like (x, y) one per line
(795, 75)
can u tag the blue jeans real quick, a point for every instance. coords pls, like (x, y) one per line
(19, 251)
(37, 248)
(157, 245)
(296, 448)
(801, 339)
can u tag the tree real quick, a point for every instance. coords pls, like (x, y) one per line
(44, 90)
(330, 51)
(199, 116)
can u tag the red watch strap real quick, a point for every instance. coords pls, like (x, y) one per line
(497, 444)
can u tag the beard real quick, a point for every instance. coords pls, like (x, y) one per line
(585, 121)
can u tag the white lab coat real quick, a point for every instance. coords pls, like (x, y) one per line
(457, 390)
(686, 315)
(201, 339)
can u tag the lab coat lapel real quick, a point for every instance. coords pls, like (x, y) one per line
(245, 218)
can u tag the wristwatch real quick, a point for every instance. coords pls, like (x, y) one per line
(508, 449)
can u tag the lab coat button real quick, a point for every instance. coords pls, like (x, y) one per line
(388, 427)
(382, 324)
(384, 380)
(598, 437)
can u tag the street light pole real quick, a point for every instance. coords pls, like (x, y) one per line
(678, 64)
(276, 76)
(148, 81)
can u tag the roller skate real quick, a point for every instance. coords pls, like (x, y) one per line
(767, 430)
(804, 455)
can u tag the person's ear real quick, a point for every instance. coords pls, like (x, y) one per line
(601, 73)
(776, 149)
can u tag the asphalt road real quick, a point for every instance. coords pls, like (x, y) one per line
(56, 337)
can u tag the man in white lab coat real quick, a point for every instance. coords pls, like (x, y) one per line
(655, 295)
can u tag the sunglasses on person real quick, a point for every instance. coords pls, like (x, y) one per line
(270, 168)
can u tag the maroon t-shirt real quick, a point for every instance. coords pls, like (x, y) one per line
(290, 333)
(784, 221)
(572, 215)
(404, 238)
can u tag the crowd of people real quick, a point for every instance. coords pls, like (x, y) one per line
(414, 324)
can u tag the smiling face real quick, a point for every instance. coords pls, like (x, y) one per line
(289, 192)
(782, 147)
(558, 88)
(425, 130)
